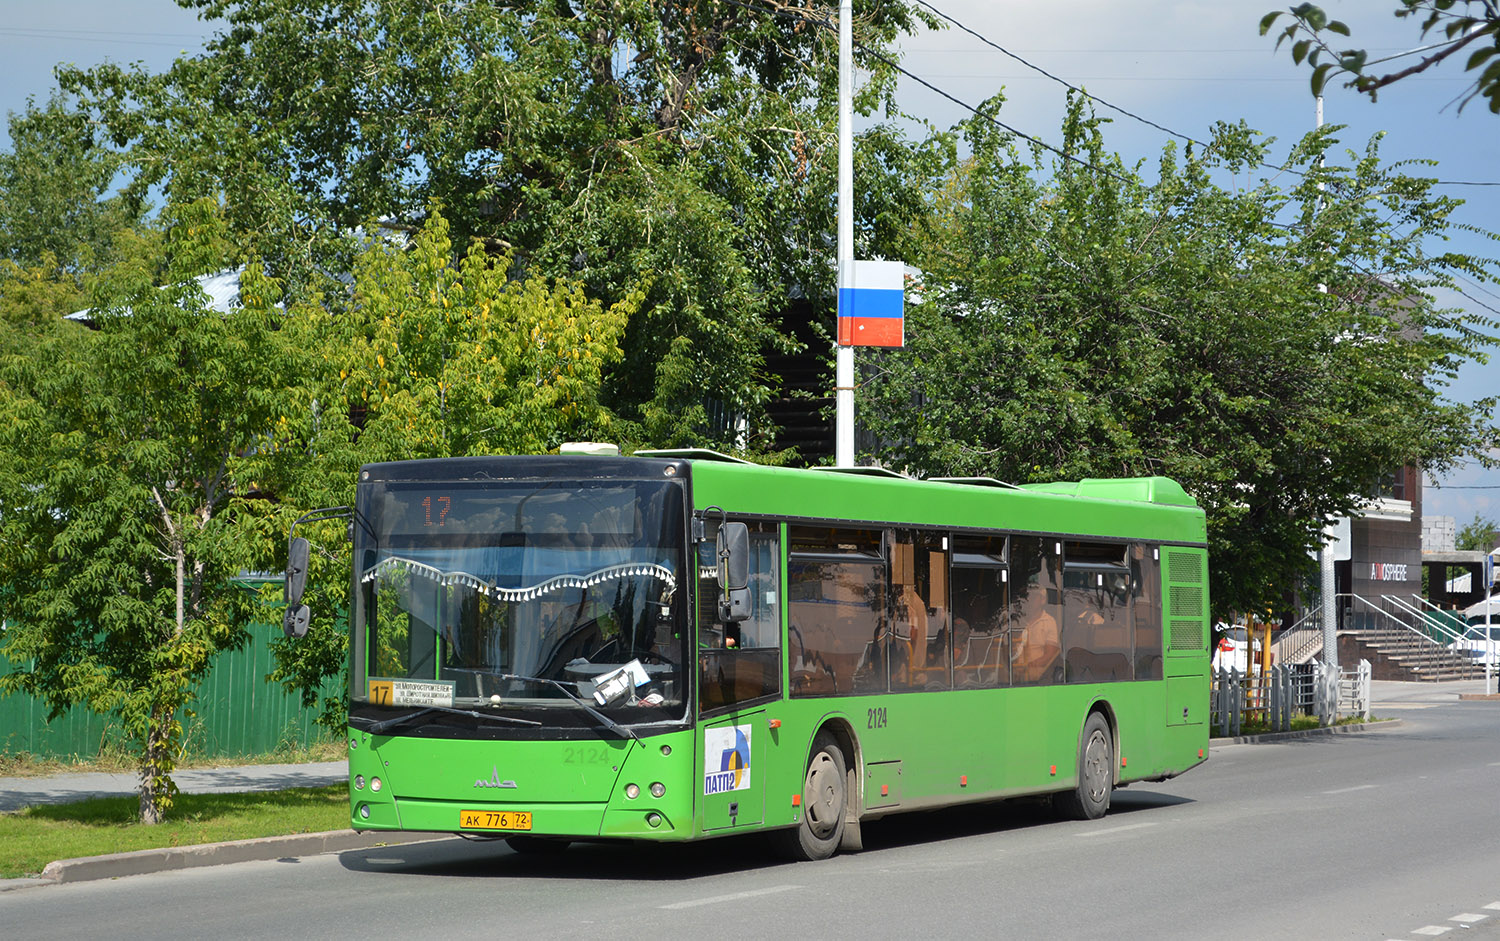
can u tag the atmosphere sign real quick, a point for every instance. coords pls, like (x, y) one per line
(1387, 572)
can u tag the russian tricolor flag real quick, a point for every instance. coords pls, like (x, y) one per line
(871, 294)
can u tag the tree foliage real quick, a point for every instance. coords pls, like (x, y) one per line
(1095, 324)
(1471, 26)
(1479, 534)
(122, 497)
(433, 357)
(685, 150)
(60, 223)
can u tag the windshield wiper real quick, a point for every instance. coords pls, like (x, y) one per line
(376, 728)
(605, 720)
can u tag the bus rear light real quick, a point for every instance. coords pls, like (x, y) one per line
(796, 800)
(1200, 753)
(885, 790)
(1053, 772)
(1122, 761)
(963, 780)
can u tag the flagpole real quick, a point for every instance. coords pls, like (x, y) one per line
(844, 355)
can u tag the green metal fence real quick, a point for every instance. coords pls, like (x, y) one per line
(236, 712)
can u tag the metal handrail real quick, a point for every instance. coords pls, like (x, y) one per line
(1298, 644)
(1430, 651)
(1440, 626)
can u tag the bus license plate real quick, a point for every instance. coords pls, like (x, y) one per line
(494, 820)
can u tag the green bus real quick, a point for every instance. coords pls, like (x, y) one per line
(681, 645)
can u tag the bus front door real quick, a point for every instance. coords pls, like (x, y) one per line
(734, 785)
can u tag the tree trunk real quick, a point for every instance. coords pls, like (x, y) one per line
(156, 782)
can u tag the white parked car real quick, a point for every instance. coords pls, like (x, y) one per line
(1481, 640)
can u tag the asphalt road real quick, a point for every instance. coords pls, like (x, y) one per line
(1383, 834)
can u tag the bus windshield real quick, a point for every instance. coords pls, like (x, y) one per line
(520, 596)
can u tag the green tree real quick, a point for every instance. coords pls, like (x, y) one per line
(60, 223)
(685, 150)
(434, 357)
(1088, 323)
(123, 498)
(1478, 535)
(1468, 26)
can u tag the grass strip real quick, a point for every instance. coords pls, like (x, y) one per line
(115, 759)
(34, 837)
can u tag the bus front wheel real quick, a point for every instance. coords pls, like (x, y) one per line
(825, 797)
(1089, 800)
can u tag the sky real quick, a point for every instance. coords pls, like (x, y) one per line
(1184, 65)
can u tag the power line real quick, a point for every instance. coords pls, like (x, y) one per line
(1036, 68)
(107, 39)
(827, 23)
(993, 120)
(1130, 114)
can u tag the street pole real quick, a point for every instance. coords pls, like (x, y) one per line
(844, 355)
(1325, 556)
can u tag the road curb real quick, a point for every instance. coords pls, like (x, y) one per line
(1272, 737)
(141, 862)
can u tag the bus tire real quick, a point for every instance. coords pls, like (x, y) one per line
(825, 800)
(535, 845)
(1089, 800)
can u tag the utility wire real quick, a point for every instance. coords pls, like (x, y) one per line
(828, 24)
(993, 120)
(1130, 114)
(1036, 68)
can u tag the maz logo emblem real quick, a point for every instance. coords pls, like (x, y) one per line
(494, 780)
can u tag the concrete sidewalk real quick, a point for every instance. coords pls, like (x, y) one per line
(16, 793)
(1395, 694)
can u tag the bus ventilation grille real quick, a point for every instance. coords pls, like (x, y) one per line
(1187, 601)
(1185, 567)
(1187, 635)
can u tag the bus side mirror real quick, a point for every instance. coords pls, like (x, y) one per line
(296, 569)
(294, 621)
(296, 617)
(732, 546)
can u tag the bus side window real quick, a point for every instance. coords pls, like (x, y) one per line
(919, 616)
(740, 661)
(1145, 588)
(1096, 616)
(982, 643)
(1036, 638)
(837, 617)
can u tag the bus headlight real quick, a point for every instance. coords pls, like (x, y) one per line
(359, 782)
(632, 791)
(658, 789)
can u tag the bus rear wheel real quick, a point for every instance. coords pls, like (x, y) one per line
(1089, 800)
(825, 798)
